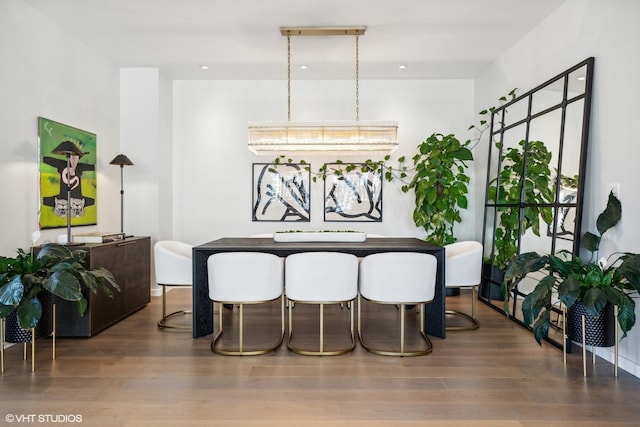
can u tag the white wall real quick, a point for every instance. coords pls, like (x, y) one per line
(146, 123)
(212, 166)
(145, 103)
(45, 72)
(608, 31)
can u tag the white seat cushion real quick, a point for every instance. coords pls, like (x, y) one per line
(463, 265)
(245, 277)
(398, 277)
(321, 276)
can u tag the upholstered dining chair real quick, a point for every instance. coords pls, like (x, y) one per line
(321, 278)
(173, 268)
(241, 278)
(463, 270)
(398, 278)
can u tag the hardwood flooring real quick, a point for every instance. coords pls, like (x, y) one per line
(133, 374)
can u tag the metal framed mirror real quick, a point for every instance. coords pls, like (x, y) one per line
(535, 180)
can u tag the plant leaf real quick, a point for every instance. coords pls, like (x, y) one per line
(11, 293)
(6, 310)
(610, 216)
(82, 306)
(65, 285)
(590, 241)
(525, 263)
(29, 313)
(54, 251)
(627, 316)
(538, 299)
(569, 291)
(594, 301)
(630, 270)
(541, 326)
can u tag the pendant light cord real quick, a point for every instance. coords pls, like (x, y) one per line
(289, 76)
(357, 78)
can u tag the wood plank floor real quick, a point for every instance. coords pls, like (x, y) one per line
(133, 374)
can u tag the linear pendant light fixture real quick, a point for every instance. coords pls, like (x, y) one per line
(345, 137)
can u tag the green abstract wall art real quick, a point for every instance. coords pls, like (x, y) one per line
(57, 177)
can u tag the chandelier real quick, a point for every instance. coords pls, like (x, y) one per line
(345, 137)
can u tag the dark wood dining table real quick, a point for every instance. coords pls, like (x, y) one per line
(203, 308)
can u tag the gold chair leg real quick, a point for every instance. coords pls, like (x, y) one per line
(403, 352)
(215, 345)
(321, 351)
(403, 316)
(321, 328)
(163, 323)
(471, 319)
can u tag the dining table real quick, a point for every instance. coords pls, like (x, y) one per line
(203, 307)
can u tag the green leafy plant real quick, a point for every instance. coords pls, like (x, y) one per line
(440, 185)
(55, 269)
(535, 180)
(595, 283)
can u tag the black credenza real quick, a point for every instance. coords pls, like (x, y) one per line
(130, 262)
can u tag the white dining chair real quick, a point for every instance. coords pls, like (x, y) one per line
(321, 278)
(245, 278)
(173, 268)
(398, 278)
(463, 270)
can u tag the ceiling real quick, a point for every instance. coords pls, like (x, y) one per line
(240, 39)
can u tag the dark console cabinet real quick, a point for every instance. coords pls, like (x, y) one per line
(129, 260)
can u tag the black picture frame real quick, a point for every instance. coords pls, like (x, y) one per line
(281, 192)
(352, 193)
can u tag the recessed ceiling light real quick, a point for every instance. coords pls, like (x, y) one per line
(580, 78)
(303, 67)
(204, 67)
(402, 66)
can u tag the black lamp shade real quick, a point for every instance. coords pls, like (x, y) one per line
(68, 147)
(121, 160)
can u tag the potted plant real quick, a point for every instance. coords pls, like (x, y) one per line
(440, 185)
(593, 283)
(30, 277)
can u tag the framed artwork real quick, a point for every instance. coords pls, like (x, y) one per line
(281, 192)
(57, 177)
(352, 194)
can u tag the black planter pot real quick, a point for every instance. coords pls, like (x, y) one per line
(599, 331)
(15, 334)
(492, 278)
